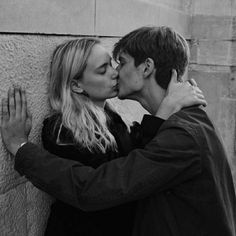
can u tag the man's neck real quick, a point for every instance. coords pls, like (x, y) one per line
(151, 96)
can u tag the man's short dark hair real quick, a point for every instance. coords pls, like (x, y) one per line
(168, 49)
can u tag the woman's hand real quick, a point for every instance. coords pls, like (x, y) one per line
(15, 123)
(179, 95)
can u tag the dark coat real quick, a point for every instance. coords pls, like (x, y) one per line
(181, 178)
(66, 220)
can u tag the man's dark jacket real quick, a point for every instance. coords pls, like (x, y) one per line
(181, 178)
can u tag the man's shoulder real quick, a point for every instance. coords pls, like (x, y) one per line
(182, 131)
(188, 117)
(190, 121)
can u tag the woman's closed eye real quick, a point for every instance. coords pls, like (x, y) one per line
(102, 71)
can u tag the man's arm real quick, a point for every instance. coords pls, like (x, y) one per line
(171, 158)
(156, 167)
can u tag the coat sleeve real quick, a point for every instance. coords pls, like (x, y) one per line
(172, 157)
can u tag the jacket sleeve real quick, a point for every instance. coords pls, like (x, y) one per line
(172, 157)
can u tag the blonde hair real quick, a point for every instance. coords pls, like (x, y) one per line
(86, 121)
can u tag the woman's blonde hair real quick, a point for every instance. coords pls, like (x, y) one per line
(86, 121)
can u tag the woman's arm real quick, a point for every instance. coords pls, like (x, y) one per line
(180, 95)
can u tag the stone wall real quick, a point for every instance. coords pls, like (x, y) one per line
(30, 30)
(213, 64)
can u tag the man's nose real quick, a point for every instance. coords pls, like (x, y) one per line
(118, 68)
(115, 74)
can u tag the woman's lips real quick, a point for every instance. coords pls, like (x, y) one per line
(116, 87)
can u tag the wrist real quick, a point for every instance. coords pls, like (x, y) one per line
(16, 146)
(167, 108)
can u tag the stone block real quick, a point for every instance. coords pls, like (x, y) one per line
(13, 212)
(212, 27)
(214, 84)
(178, 20)
(38, 209)
(234, 27)
(180, 5)
(193, 46)
(125, 16)
(233, 8)
(233, 52)
(52, 17)
(212, 7)
(214, 52)
(232, 83)
(227, 126)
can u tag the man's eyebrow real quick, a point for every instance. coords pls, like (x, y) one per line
(121, 58)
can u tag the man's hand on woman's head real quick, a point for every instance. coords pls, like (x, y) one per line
(179, 95)
(16, 122)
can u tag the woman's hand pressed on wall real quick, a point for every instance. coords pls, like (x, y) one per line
(179, 95)
(16, 123)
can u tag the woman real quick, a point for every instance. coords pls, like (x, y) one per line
(85, 128)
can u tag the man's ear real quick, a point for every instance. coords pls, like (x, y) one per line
(149, 67)
(76, 87)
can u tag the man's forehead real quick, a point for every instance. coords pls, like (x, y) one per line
(124, 55)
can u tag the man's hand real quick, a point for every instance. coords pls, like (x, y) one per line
(16, 122)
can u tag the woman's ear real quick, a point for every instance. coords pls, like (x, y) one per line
(76, 87)
(149, 67)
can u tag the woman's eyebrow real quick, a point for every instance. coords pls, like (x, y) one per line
(104, 63)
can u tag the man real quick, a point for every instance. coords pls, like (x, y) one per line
(181, 178)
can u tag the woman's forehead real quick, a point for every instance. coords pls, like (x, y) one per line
(98, 56)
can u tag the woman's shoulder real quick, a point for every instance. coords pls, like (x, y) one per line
(51, 125)
(59, 140)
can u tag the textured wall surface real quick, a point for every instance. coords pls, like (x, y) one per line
(213, 64)
(30, 30)
(92, 17)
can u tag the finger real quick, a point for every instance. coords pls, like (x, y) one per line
(197, 90)
(203, 102)
(11, 103)
(174, 76)
(193, 82)
(200, 96)
(189, 84)
(18, 102)
(5, 113)
(24, 104)
(199, 101)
